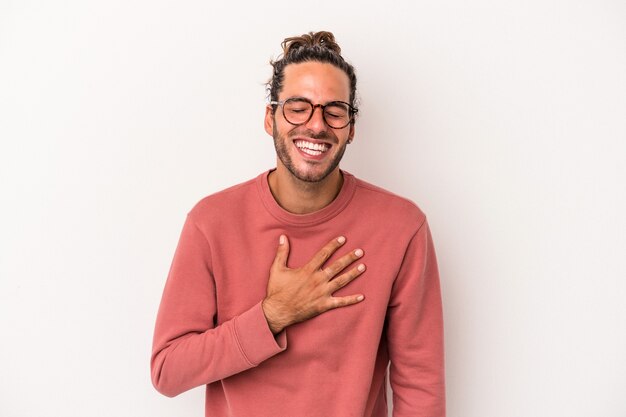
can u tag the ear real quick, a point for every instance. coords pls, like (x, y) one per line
(269, 120)
(351, 133)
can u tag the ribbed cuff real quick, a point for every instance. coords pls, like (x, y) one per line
(255, 338)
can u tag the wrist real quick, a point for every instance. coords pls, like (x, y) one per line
(274, 320)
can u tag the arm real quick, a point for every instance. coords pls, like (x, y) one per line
(188, 349)
(415, 333)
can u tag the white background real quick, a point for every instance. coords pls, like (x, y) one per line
(503, 120)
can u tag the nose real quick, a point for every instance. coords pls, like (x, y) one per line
(316, 122)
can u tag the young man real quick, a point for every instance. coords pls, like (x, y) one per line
(291, 293)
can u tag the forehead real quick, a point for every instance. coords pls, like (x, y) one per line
(317, 81)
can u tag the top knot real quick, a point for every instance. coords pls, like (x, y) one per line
(320, 39)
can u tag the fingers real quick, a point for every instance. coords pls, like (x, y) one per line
(282, 253)
(341, 263)
(344, 279)
(336, 302)
(325, 253)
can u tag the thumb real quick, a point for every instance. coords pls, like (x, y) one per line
(282, 253)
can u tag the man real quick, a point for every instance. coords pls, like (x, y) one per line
(291, 293)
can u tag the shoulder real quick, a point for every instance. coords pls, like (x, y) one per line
(395, 209)
(229, 200)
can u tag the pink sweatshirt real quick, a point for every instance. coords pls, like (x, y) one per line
(211, 330)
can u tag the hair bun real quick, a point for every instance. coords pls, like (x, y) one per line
(320, 39)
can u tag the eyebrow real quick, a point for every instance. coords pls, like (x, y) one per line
(311, 101)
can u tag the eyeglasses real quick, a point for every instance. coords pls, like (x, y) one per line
(299, 110)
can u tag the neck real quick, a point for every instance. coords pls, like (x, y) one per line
(301, 197)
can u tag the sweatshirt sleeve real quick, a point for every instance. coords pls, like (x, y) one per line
(415, 333)
(189, 350)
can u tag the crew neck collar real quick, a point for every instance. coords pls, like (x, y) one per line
(310, 219)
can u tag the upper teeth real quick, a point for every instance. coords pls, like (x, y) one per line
(310, 145)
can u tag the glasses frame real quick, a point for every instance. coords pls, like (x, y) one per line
(352, 111)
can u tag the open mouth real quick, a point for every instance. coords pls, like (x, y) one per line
(311, 148)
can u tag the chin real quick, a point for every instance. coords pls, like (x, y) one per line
(318, 174)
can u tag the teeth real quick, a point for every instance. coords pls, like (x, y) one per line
(311, 148)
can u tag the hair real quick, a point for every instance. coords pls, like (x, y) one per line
(313, 46)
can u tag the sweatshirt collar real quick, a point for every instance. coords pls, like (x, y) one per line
(310, 219)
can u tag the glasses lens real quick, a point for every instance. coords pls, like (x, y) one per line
(297, 111)
(337, 114)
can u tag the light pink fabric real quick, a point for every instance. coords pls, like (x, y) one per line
(211, 329)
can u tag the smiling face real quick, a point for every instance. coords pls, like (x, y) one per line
(313, 150)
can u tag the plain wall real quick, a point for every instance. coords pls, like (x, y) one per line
(503, 120)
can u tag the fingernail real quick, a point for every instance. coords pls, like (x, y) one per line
(358, 252)
(361, 267)
(341, 240)
(281, 240)
(360, 298)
